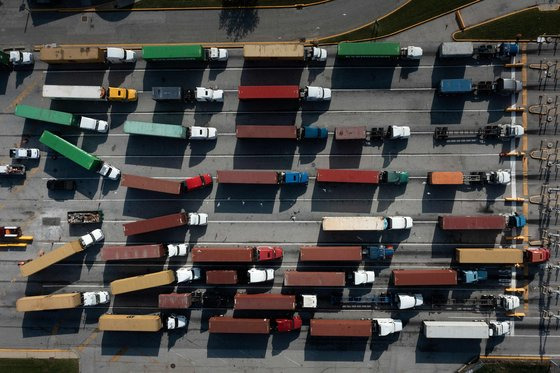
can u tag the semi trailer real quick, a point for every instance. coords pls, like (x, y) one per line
(148, 251)
(354, 328)
(262, 177)
(299, 278)
(89, 93)
(198, 94)
(152, 280)
(62, 301)
(62, 55)
(232, 325)
(183, 53)
(151, 184)
(361, 176)
(283, 52)
(175, 301)
(465, 329)
(62, 118)
(499, 177)
(366, 223)
(345, 253)
(284, 92)
(502, 132)
(501, 256)
(222, 277)
(280, 132)
(140, 323)
(502, 86)
(169, 130)
(236, 254)
(422, 277)
(481, 222)
(164, 222)
(377, 50)
(467, 49)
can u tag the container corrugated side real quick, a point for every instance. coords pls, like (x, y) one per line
(330, 253)
(340, 328)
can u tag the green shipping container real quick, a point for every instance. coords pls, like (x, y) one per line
(46, 115)
(70, 151)
(174, 52)
(4, 59)
(155, 129)
(368, 49)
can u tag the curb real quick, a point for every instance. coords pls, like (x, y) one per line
(31, 353)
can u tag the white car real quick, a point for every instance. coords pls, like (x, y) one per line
(109, 171)
(197, 218)
(203, 133)
(25, 153)
(93, 237)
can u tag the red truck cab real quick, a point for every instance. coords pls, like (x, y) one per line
(269, 253)
(540, 255)
(287, 325)
(197, 182)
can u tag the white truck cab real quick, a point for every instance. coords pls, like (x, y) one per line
(109, 171)
(362, 277)
(180, 249)
(120, 55)
(317, 54)
(509, 302)
(25, 153)
(94, 124)
(388, 326)
(197, 218)
(499, 177)
(257, 275)
(398, 132)
(407, 301)
(498, 328)
(187, 274)
(399, 222)
(209, 95)
(94, 298)
(175, 322)
(309, 301)
(18, 58)
(202, 133)
(311, 93)
(93, 237)
(413, 53)
(511, 130)
(218, 54)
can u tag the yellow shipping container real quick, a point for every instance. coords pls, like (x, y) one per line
(49, 302)
(51, 258)
(151, 280)
(132, 323)
(489, 256)
(273, 51)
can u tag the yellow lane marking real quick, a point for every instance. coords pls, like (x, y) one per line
(506, 357)
(32, 350)
(87, 341)
(118, 355)
(26, 91)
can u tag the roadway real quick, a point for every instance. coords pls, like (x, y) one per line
(285, 215)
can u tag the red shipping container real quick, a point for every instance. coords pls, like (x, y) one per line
(420, 277)
(133, 252)
(350, 133)
(266, 132)
(148, 183)
(330, 253)
(221, 277)
(260, 92)
(295, 278)
(348, 176)
(340, 328)
(222, 254)
(225, 324)
(451, 222)
(155, 224)
(175, 300)
(247, 177)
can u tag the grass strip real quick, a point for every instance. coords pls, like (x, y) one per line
(40, 365)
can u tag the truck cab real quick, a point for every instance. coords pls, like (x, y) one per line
(506, 86)
(539, 255)
(269, 253)
(93, 237)
(121, 94)
(313, 133)
(310, 93)
(509, 302)
(94, 124)
(288, 325)
(257, 275)
(511, 130)
(499, 328)
(188, 274)
(197, 218)
(180, 249)
(407, 301)
(197, 182)
(473, 276)
(316, 54)
(412, 53)
(394, 177)
(217, 54)
(378, 252)
(499, 177)
(293, 177)
(362, 277)
(202, 133)
(94, 298)
(398, 132)
(25, 153)
(399, 222)
(120, 55)
(109, 171)
(516, 220)
(19, 58)
(387, 326)
(508, 49)
(209, 95)
(175, 322)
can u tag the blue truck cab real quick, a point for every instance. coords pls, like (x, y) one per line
(473, 276)
(293, 177)
(378, 252)
(517, 221)
(313, 133)
(455, 86)
(508, 49)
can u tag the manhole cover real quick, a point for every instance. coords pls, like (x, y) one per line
(84, 18)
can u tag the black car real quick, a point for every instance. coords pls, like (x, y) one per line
(57, 184)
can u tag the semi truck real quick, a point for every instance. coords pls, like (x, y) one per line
(499, 177)
(232, 325)
(200, 94)
(60, 253)
(366, 223)
(62, 118)
(148, 251)
(236, 254)
(465, 329)
(152, 280)
(62, 301)
(283, 52)
(345, 253)
(183, 52)
(140, 323)
(481, 222)
(79, 156)
(501, 256)
(377, 50)
(84, 217)
(152, 184)
(164, 222)
(298, 278)
(284, 92)
(466, 49)
(422, 277)
(89, 93)
(169, 130)
(503, 86)
(12, 170)
(354, 328)
(262, 177)
(502, 132)
(10, 59)
(61, 55)
(280, 132)
(361, 176)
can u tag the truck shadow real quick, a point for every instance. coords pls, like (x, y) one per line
(391, 149)
(246, 346)
(346, 154)
(136, 344)
(445, 195)
(449, 351)
(245, 199)
(288, 197)
(387, 195)
(264, 154)
(339, 197)
(51, 323)
(323, 348)
(145, 151)
(363, 73)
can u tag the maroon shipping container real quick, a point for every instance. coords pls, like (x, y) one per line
(348, 176)
(175, 300)
(451, 222)
(226, 324)
(149, 183)
(420, 277)
(264, 302)
(222, 254)
(295, 278)
(340, 328)
(155, 224)
(247, 177)
(260, 92)
(350, 133)
(133, 252)
(330, 253)
(221, 277)
(266, 132)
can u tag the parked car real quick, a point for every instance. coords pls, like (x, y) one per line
(25, 153)
(58, 184)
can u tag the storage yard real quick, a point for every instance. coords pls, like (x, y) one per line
(465, 228)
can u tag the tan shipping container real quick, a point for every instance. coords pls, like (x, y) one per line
(51, 258)
(445, 178)
(49, 302)
(489, 256)
(151, 280)
(72, 55)
(132, 323)
(273, 51)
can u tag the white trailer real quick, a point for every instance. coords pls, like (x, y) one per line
(465, 329)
